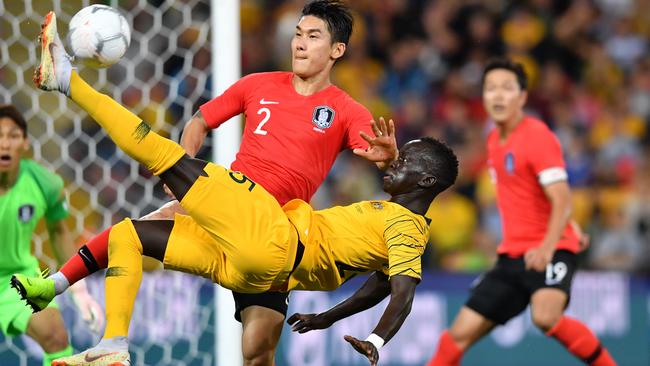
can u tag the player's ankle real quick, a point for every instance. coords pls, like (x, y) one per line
(114, 343)
(61, 283)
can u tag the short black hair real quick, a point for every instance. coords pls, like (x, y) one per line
(442, 163)
(12, 112)
(507, 64)
(335, 14)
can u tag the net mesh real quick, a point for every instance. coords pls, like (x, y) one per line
(163, 78)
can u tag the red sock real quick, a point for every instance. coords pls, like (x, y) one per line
(448, 353)
(89, 259)
(581, 342)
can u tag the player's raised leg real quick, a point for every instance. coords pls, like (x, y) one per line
(39, 291)
(128, 131)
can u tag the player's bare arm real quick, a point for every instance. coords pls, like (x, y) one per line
(193, 137)
(372, 292)
(60, 240)
(559, 195)
(194, 134)
(402, 291)
(382, 149)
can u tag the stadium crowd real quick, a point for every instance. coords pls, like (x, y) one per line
(419, 62)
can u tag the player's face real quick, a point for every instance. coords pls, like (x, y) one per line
(12, 145)
(404, 174)
(502, 97)
(312, 50)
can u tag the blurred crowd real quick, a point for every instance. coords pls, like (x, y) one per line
(420, 63)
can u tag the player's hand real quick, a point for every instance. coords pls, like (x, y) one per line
(365, 348)
(583, 238)
(538, 258)
(91, 312)
(303, 323)
(382, 149)
(168, 191)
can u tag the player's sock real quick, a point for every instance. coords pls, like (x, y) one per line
(114, 344)
(581, 342)
(126, 129)
(89, 259)
(49, 357)
(61, 283)
(123, 278)
(448, 352)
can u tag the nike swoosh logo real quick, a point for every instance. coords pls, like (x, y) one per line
(89, 358)
(263, 101)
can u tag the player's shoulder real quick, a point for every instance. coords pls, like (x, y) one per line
(267, 76)
(46, 179)
(533, 125)
(344, 99)
(401, 218)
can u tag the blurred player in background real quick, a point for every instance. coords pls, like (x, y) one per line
(296, 124)
(238, 235)
(29, 192)
(537, 256)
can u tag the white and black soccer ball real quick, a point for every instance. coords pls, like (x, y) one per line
(99, 36)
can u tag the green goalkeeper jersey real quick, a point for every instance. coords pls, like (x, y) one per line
(37, 193)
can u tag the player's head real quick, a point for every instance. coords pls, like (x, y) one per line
(13, 138)
(321, 37)
(504, 90)
(425, 164)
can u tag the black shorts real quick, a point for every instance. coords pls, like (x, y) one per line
(504, 291)
(278, 301)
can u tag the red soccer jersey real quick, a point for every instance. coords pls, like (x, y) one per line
(529, 158)
(290, 141)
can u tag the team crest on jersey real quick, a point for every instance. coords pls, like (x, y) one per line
(509, 163)
(25, 213)
(323, 117)
(377, 205)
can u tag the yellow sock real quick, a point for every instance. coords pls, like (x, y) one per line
(123, 278)
(126, 129)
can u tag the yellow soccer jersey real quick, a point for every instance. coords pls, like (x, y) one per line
(341, 242)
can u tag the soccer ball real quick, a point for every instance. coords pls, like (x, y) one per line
(99, 36)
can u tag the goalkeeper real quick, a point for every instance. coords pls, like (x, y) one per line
(29, 192)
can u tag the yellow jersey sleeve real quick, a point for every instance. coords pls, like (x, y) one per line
(406, 238)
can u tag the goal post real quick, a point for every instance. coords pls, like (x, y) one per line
(226, 69)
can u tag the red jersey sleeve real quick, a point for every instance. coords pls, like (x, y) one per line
(544, 150)
(227, 105)
(359, 120)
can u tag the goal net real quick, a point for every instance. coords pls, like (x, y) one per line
(164, 77)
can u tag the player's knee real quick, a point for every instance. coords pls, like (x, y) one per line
(545, 320)
(54, 340)
(123, 237)
(258, 354)
(258, 349)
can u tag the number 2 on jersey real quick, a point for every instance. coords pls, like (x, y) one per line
(267, 115)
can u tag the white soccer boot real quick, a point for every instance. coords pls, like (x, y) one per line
(55, 68)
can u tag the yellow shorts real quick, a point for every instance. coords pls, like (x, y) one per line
(237, 234)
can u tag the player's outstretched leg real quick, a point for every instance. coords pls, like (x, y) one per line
(39, 291)
(128, 131)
